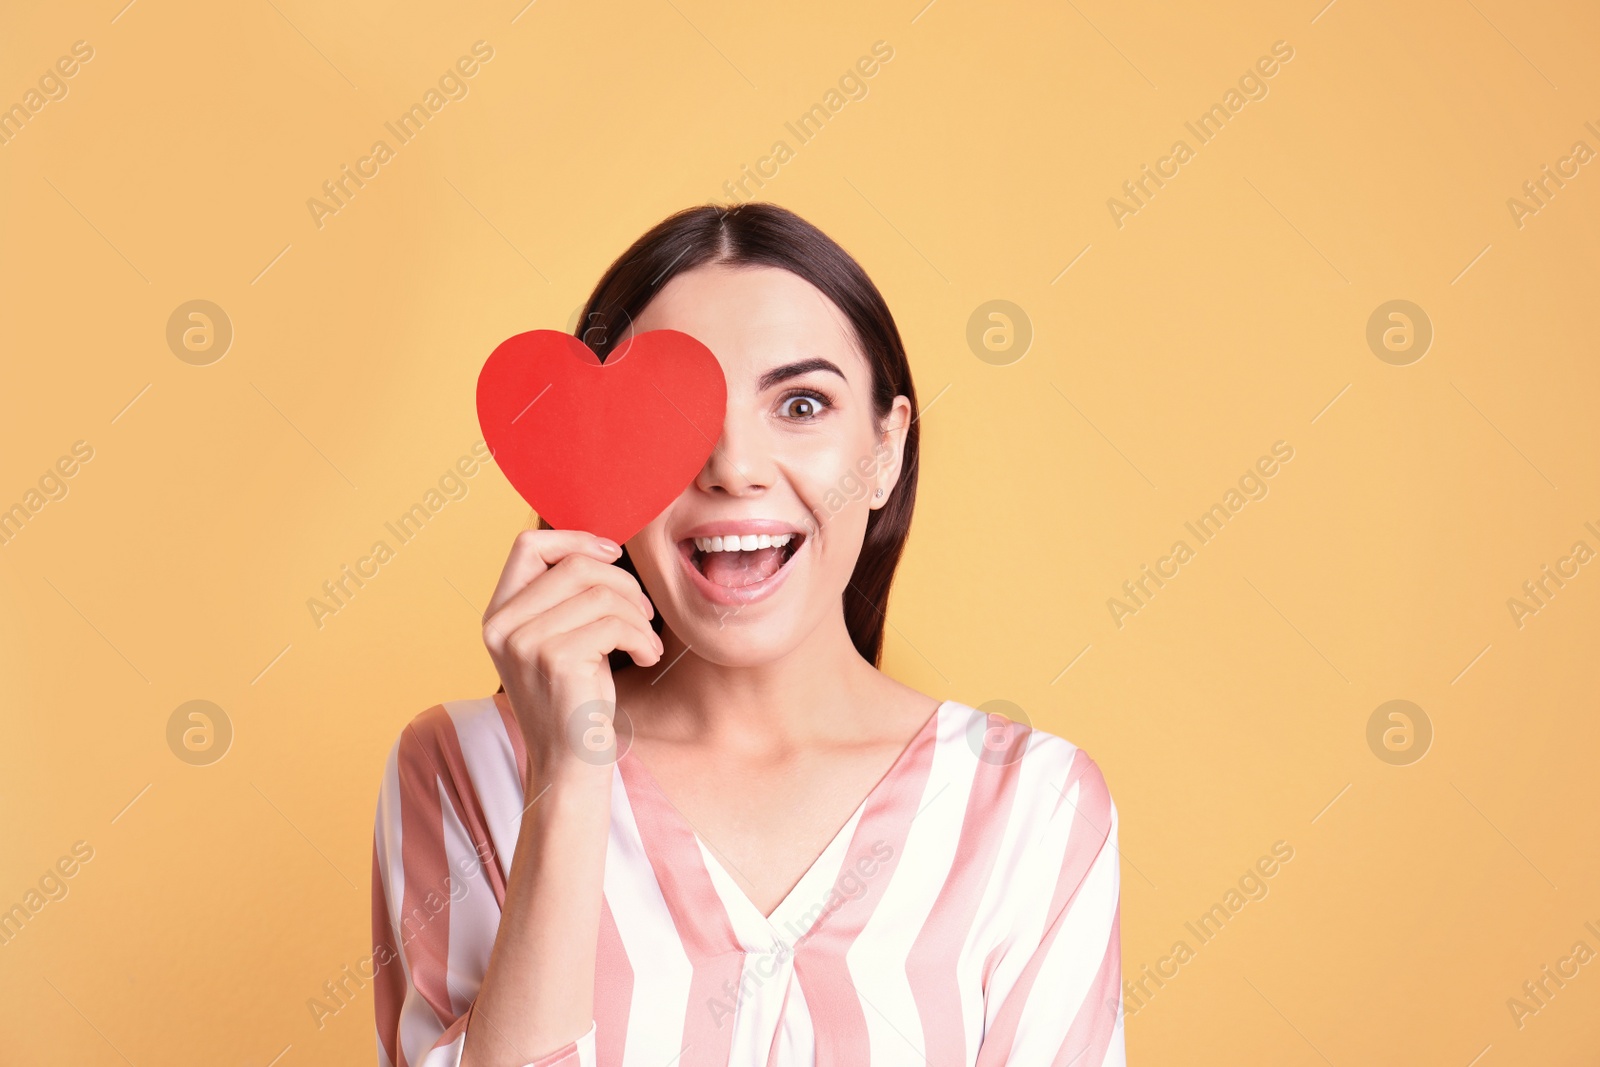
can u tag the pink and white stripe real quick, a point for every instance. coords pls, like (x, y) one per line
(967, 915)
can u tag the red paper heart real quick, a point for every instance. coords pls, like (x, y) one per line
(602, 447)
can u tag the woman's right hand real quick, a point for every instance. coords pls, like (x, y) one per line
(558, 611)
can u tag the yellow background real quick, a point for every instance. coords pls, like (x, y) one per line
(1229, 313)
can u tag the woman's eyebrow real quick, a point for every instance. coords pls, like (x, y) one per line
(794, 370)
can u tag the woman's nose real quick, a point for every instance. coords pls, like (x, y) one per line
(741, 463)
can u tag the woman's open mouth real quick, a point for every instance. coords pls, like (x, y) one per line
(738, 567)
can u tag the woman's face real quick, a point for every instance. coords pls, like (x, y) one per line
(800, 458)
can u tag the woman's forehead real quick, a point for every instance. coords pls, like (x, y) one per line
(754, 318)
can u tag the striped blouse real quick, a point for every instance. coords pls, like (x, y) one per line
(967, 915)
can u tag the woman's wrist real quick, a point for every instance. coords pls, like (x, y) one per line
(568, 782)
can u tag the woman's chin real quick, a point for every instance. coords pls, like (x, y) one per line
(732, 641)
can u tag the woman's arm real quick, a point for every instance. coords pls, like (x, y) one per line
(438, 903)
(557, 613)
(537, 997)
(1058, 997)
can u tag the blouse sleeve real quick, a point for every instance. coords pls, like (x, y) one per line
(1055, 994)
(431, 880)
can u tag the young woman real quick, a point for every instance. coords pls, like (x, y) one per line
(700, 827)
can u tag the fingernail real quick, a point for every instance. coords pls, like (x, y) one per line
(608, 545)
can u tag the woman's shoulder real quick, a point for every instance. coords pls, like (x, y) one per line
(1041, 787)
(1051, 818)
(1002, 734)
(467, 741)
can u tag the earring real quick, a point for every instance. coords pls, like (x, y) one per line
(878, 493)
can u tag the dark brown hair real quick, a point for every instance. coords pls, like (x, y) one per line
(764, 234)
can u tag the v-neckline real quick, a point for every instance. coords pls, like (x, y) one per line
(781, 912)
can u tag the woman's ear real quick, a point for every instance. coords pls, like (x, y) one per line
(890, 451)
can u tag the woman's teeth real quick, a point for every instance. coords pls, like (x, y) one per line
(747, 543)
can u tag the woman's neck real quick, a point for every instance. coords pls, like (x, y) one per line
(814, 691)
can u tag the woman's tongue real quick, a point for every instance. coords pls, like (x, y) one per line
(736, 569)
